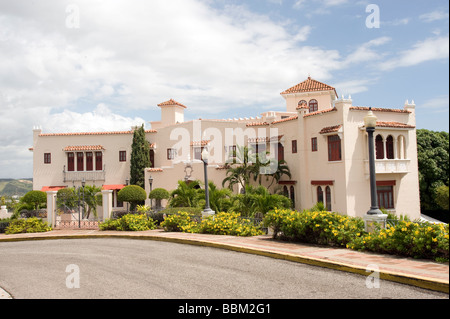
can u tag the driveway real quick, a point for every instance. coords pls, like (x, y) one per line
(125, 268)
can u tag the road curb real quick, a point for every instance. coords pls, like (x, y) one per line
(412, 280)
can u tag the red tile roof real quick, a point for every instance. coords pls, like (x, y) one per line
(257, 124)
(113, 187)
(154, 170)
(264, 139)
(52, 188)
(378, 109)
(330, 129)
(84, 148)
(320, 112)
(93, 133)
(394, 124)
(200, 143)
(286, 119)
(309, 85)
(172, 102)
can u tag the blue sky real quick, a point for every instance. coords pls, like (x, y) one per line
(91, 65)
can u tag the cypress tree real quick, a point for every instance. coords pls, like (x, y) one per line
(140, 157)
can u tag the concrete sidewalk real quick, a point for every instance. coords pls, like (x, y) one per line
(420, 273)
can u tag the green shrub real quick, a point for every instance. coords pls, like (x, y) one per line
(228, 224)
(179, 222)
(35, 198)
(218, 224)
(159, 193)
(322, 228)
(406, 238)
(132, 194)
(417, 240)
(29, 225)
(129, 222)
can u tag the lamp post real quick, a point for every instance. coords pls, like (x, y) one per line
(207, 211)
(127, 181)
(150, 181)
(83, 183)
(370, 122)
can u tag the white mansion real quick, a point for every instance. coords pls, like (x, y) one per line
(321, 137)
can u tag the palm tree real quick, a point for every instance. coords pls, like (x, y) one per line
(244, 165)
(219, 199)
(282, 169)
(186, 194)
(92, 198)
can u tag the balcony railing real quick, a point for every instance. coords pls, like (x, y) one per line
(389, 166)
(78, 176)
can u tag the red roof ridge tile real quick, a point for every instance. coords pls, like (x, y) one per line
(286, 119)
(171, 102)
(309, 85)
(378, 109)
(92, 133)
(320, 112)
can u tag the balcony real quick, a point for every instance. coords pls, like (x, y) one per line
(389, 166)
(78, 176)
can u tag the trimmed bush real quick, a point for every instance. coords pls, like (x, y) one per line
(35, 198)
(29, 225)
(129, 222)
(132, 194)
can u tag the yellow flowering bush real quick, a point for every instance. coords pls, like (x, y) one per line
(179, 222)
(314, 227)
(228, 224)
(405, 238)
(129, 222)
(417, 240)
(218, 224)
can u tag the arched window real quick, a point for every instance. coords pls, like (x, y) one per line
(302, 103)
(390, 147)
(313, 106)
(285, 191)
(292, 196)
(379, 147)
(320, 195)
(328, 197)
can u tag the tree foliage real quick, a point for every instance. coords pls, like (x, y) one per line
(433, 159)
(132, 194)
(140, 157)
(36, 198)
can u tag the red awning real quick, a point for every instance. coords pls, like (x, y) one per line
(113, 187)
(52, 188)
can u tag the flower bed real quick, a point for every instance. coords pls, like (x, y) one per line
(129, 222)
(417, 240)
(218, 224)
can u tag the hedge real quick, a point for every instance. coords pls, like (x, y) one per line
(417, 240)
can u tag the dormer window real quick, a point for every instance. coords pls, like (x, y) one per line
(313, 106)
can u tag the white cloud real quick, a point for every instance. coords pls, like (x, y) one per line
(365, 52)
(437, 104)
(434, 16)
(430, 49)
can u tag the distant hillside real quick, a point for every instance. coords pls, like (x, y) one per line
(19, 187)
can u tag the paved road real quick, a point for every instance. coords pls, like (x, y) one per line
(124, 268)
